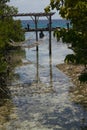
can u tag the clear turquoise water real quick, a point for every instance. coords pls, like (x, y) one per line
(43, 23)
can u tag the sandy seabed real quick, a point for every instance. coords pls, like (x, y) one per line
(78, 92)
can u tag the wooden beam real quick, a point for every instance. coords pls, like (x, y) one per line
(36, 31)
(50, 22)
(29, 14)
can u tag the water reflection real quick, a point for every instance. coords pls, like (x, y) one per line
(37, 67)
(51, 75)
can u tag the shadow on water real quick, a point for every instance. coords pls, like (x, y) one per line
(4, 91)
(5, 106)
(4, 94)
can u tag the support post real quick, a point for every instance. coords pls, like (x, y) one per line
(36, 32)
(50, 50)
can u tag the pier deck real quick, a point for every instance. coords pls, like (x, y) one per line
(40, 29)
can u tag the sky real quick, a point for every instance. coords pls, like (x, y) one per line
(32, 6)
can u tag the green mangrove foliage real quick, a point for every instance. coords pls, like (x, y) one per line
(9, 29)
(76, 12)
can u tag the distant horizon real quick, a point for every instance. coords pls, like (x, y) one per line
(43, 23)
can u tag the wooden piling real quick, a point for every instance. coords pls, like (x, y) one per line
(50, 50)
(36, 32)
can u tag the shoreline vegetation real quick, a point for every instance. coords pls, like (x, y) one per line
(78, 91)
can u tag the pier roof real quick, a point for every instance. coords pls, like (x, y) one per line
(41, 14)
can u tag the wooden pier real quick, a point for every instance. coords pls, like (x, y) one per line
(35, 18)
(40, 29)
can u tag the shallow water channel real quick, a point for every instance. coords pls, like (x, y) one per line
(40, 94)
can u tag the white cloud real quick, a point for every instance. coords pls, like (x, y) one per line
(31, 6)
